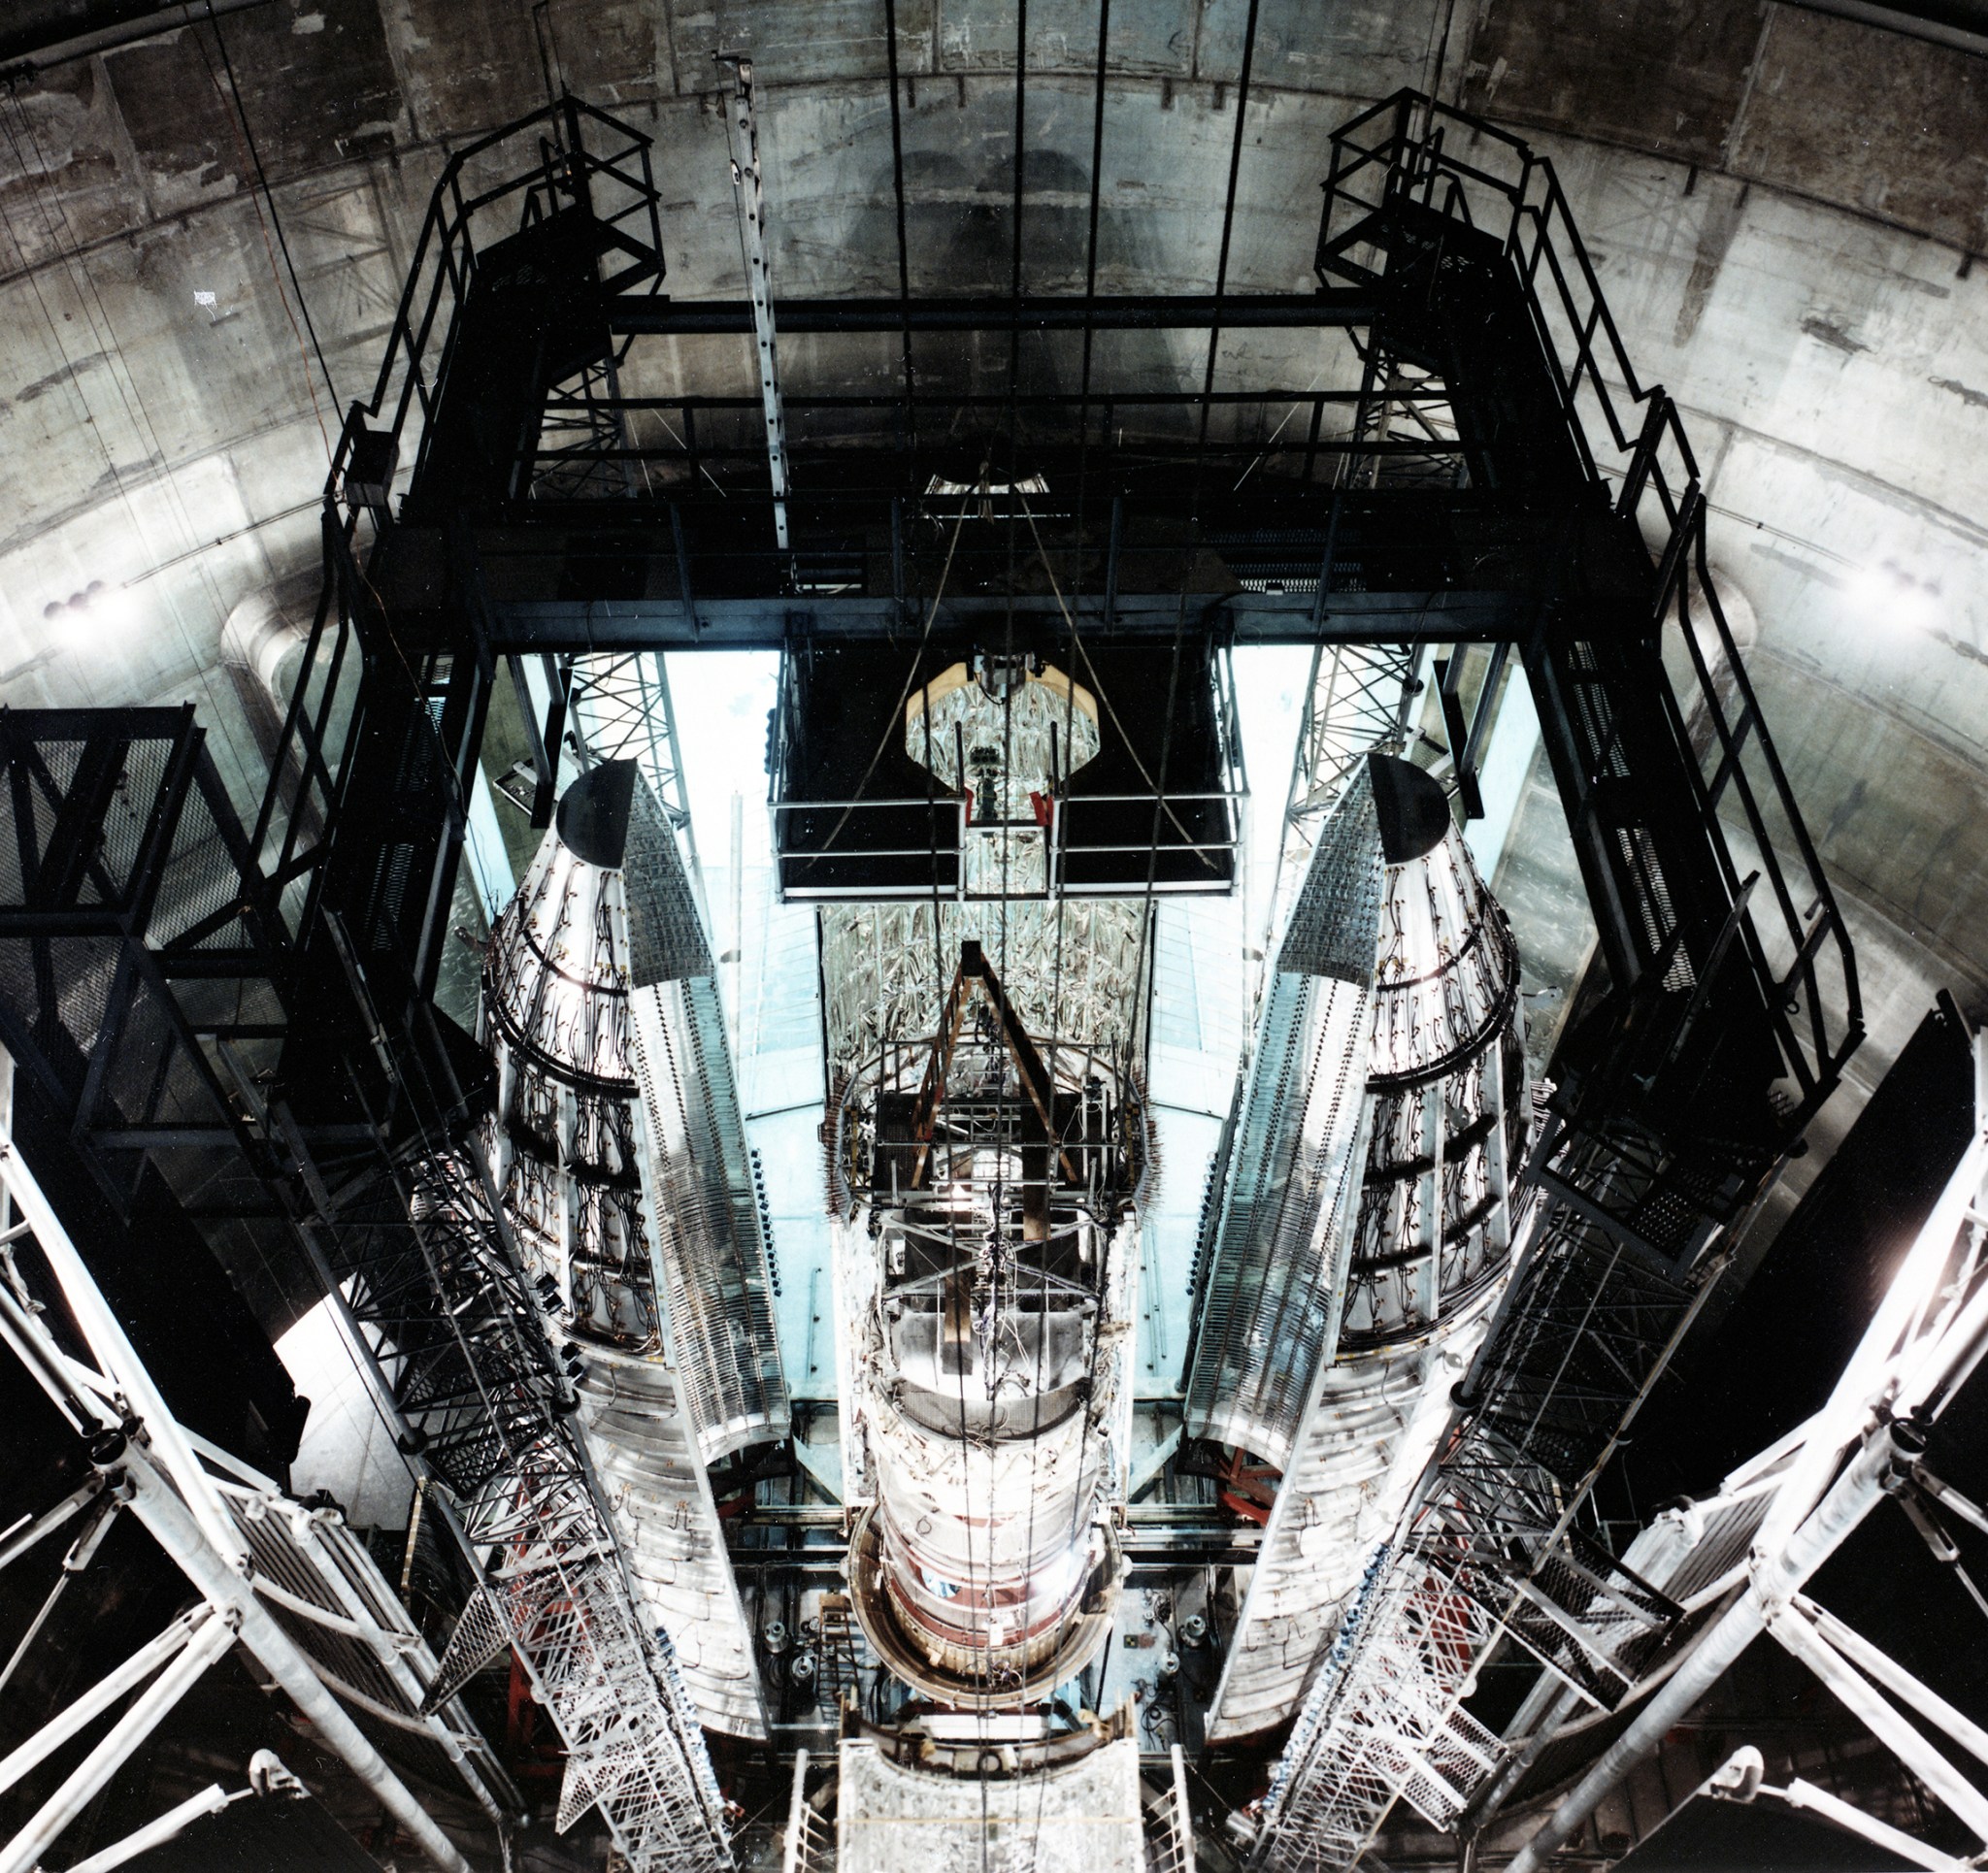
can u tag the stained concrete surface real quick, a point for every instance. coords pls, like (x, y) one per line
(1778, 206)
(1781, 208)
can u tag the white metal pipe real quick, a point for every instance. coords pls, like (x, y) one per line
(1933, 1372)
(1805, 1794)
(1838, 1421)
(29, 1343)
(793, 1853)
(24, 1851)
(101, 1695)
(1885, 1670)
(383, 1646)
(169, 1522)
(170, 1826)
(1848, 1501)
(34, 1629)
(309, 1610)
(1950, 1498)
(1879, 1715)
(117, 1358)
(45, 1525)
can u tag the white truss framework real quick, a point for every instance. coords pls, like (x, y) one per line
(287, 1582)
(1389, 1726)
(1928, 1338)
(1384, 1720)
(622, 703)
(563, 1595)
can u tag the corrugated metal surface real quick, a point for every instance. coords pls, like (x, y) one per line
(643, 1445)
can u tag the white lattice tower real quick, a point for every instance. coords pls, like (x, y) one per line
(562, 1591)
(626, 715)
(1382, 1722)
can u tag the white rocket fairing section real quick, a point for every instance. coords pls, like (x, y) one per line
(620, 1156)
(1366, 1231)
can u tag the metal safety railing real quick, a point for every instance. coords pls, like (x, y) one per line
(1627, 1196)
(809, 1843)
(1170, 1821)
(1068, 840)
(1411, 153)
(511, 179)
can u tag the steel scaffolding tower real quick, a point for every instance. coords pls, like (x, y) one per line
(433, 1294)
(1658, 1135)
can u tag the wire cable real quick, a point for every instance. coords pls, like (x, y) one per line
(241, 120)
(894, 721)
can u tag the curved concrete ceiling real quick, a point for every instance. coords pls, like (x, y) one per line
(1781, 204)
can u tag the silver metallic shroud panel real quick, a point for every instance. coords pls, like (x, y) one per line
(1411, 1269)
(619, 1150)
(1268, 1313)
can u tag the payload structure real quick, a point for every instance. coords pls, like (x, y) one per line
(1365, 1230)
(986, 1190)
(989, 1155)
(618, 1150)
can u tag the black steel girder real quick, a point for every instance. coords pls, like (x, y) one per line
(988, 312)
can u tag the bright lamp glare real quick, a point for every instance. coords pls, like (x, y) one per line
(1891, 598)
(114, 610)
(97, 612)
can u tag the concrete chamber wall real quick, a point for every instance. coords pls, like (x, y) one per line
(1781, 205)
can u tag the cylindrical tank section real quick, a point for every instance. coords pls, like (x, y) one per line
(618, 1150)
(986, 1190)
(1348, 1333)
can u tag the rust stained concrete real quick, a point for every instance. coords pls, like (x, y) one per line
(1666, 76)
(1902, 136)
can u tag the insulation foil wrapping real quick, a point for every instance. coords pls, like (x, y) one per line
(987, 1263)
